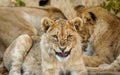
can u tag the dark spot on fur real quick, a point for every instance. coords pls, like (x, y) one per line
(79, 7)
(68, 73)
(92, 16)
(61, 73)
(47, 27)
(77, 26)
(22, 71)
(43, 2)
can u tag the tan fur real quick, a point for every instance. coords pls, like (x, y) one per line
(23, 56)
(15, 54)
(61, 34)
(78, 2)
(15, 21)
(42, 57)
(104, 30)
(67, 6)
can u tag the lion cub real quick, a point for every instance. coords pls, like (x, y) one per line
(59, 52)
(61, 47)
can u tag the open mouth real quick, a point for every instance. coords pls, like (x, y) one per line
(63, 54)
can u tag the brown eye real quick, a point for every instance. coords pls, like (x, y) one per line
(88, 19)
(55, 36)
(69, 37)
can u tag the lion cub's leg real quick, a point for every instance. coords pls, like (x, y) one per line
(82, 73)
(113, 67)
(2, 49)
(15, 54)
(32, 62)
(80, 68)
(96, 60)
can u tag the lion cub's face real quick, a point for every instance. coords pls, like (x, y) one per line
(61, 36)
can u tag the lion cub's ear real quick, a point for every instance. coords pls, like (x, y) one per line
(46, 23)
(89, 18)
(77, 23)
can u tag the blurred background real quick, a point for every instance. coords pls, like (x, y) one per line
(111, 5)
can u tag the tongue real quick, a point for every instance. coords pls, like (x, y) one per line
(63, 54)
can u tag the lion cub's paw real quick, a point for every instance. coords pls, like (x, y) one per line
(14, 73)
(26, 73)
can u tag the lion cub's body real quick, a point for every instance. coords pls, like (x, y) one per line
(59, 36)
(104, 31)
(15, 21)
(59, 52)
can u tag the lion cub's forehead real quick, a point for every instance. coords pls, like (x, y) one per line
(61, 22)
(62, 28)
(62, 25)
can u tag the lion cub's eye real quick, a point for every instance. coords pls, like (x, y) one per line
(55, 36)
(88, 19)
(69, 37)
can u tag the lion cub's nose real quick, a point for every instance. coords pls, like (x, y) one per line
(62, 48)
